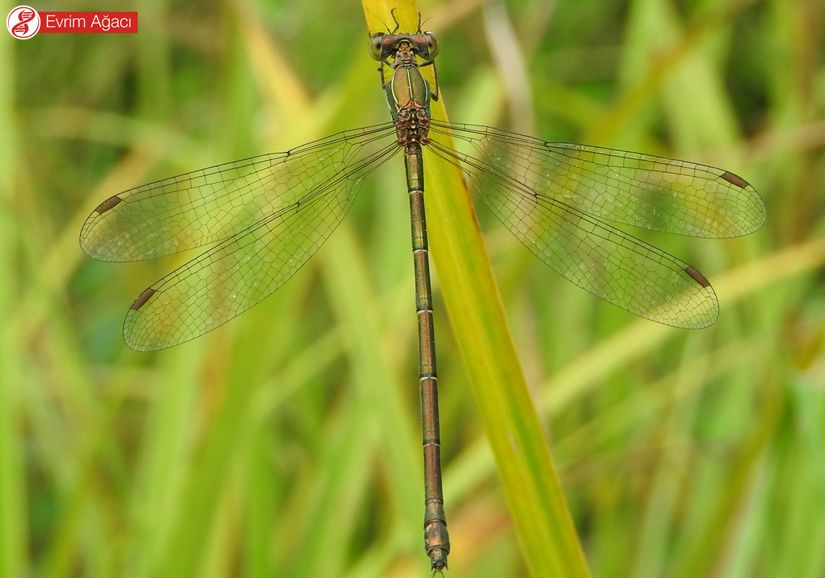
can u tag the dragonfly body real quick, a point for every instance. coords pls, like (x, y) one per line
(260, 219)
(408, 96)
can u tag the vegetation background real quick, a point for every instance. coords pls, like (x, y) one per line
(286, 443)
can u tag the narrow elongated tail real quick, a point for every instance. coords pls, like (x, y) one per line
(436, 537)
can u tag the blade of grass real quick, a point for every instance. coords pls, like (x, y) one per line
(13, 521)
(536, 502)
(337, 495)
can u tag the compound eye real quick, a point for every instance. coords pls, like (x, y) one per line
(377, 46)
(432, 44)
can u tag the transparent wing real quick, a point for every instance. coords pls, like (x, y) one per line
(243, 269)
(641, 190)
(206, 206)
(597, 257)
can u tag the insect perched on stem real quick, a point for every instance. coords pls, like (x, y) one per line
(263, 217)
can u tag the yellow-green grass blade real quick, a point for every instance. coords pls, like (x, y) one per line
(534, 495)
(13, 522)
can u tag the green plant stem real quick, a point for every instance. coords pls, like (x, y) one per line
(534, 495)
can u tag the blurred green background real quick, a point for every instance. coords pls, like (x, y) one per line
(287, 443)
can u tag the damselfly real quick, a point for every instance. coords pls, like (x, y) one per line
(263, 218)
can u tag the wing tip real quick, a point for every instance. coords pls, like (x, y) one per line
(87, 231)
(755, 209)
(134, 335)
(709, 314)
